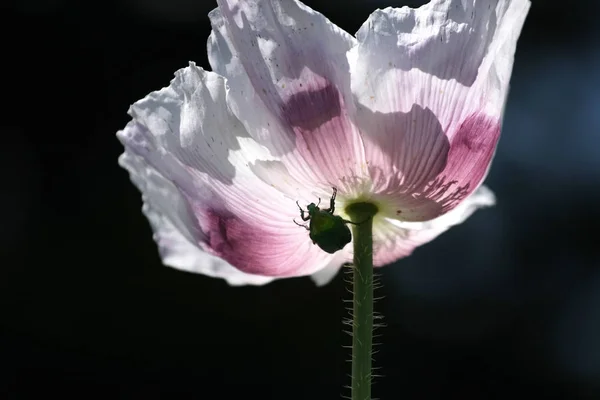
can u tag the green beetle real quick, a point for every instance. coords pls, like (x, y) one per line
(327, 231)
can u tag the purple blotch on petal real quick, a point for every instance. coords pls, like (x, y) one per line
(471, 151)
(309, 109)
(473, 147)
(228, 237)
(323, 134)
(243, 245)
(429, 174)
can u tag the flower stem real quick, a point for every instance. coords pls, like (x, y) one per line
(362, 325)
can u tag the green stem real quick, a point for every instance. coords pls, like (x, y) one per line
(362, 328)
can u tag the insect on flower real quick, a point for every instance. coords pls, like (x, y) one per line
(328, 231)
(405, 114)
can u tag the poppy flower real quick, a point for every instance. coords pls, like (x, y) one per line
(405, 115)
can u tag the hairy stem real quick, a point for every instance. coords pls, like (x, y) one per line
(362, 325)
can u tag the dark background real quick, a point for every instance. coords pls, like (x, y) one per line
(503, 306)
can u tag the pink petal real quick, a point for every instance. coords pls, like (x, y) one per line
(175, 227)
(289, 83)
(191, 158)
(393, 240)
(431, 84)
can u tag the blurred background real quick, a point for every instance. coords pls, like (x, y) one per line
(505, 305)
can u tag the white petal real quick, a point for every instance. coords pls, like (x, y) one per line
(289, 82)
(160, 194)
(431, 84)
(185, 137)
(189, 120)
(451, 56)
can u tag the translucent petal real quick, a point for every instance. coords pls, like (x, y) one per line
(431, 84)
(394, 239)
(192, 161)
(289, 83)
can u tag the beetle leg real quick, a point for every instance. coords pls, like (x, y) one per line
(355, 223)
(331, 208)
(332, 201)
(304, 226)
(302, 213)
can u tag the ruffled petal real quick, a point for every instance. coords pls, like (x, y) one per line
(185, 135)
(289, 82)
(393, 239)
(175, 228)
(430, 85)
(177, 252)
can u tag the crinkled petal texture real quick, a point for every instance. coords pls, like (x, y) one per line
(430, 86)
(406, 115)
(191, 159)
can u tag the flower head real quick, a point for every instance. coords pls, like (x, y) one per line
(405, 115)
